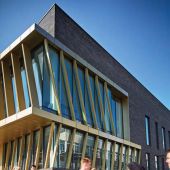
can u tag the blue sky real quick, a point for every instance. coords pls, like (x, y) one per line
(135, 32)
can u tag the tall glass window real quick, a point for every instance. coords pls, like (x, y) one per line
(88, 108)
(25, 88)
(124, 158)
(107, 116)
(113, 108)
(163, 138)
(119, 116)
(37, 64)
(64, 143)
(156, 162)
(43, 79)
(89, 147)
(64, 100)
(95, 99)
(76, 101)
(108, 156)
(105, 107)
(147, 161)
(54, 59)
(15, 95)
(49, 98)
(157, 135)
(117, 156)
(147, 130)
(99, 154)
(77, 151)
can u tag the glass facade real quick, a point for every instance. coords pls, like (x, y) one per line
(51, 73)
(47, 98)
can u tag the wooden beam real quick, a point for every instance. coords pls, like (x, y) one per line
(30, 76)
(52, 76)
(9, 100)
(120, 156)
(77, 81)
(21, 150)
(38, 147)
(90, 98)
(128, 150)
(100, 102)
(29, 151)
(113, 156)
(49, 145)
(84, 145)
(139, 156)
(104, 155)
(2, 159)
(70, 151)
(8, 154)
(66, 82)
(95, 152)
(109, 108)
(2, 105)
(56, 144)
(18, 81)
(13, 153)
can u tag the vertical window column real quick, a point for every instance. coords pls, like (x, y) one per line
(157, 135)
(163, 138)
(147, 161)
(147, 130)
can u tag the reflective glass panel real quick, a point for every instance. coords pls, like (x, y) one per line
(119, 116)
(25, 87)
(77, 151)
(108, 156)
(147, 130)
(64, 143)
(99, 154)
(88, 107)
(89, 147)
(15, 95)
(76, 102)
(117, 157)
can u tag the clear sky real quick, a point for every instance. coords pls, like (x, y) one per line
(135, 32)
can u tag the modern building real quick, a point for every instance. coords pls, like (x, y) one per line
(64, 97)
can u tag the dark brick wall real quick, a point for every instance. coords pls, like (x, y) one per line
(141, 101)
